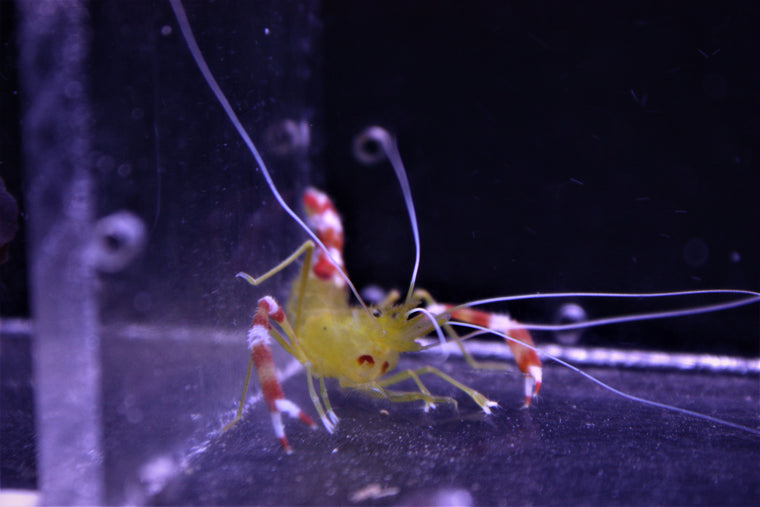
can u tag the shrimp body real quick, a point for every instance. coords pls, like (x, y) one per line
(350, 344)
(360, 345)
(347, 343)
(356, 345)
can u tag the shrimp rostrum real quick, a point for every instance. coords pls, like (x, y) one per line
(357, 345)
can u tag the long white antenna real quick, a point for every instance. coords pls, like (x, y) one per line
(651, 403)
(390, 148)
(752, 297)
(187, 33)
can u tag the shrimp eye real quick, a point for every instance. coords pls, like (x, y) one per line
(376, 312)
(365, 359)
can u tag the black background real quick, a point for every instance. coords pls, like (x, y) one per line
(554, 146)
(550, 147)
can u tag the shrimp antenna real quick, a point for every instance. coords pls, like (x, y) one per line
(631, 397)
(387, 143)
(200, 61)
(752, 297)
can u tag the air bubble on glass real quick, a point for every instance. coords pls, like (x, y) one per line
(569, 313)
(369, 145)
(285, 137)
(119, 239)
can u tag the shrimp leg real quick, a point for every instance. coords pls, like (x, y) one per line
(526, 358)
(484, 403)
(259, 338)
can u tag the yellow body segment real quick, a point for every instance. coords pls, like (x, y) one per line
(347, 343)
(356, 345)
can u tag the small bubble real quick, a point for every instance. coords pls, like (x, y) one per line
(118, 239)
(570, 313)
(166, 30)
(370, 145)
(287, 136)
(735, 257)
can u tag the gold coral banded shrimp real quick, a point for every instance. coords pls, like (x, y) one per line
(349, 360)
(358, 348)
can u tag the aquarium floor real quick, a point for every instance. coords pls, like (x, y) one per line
(578, 444)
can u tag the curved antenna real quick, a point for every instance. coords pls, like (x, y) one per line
(387, 143)
(631, 397)
(200, 61)
(753, 297)
(429, 315)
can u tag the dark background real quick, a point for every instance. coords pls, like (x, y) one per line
(550, 147)
(13, 283)
(555, 146)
